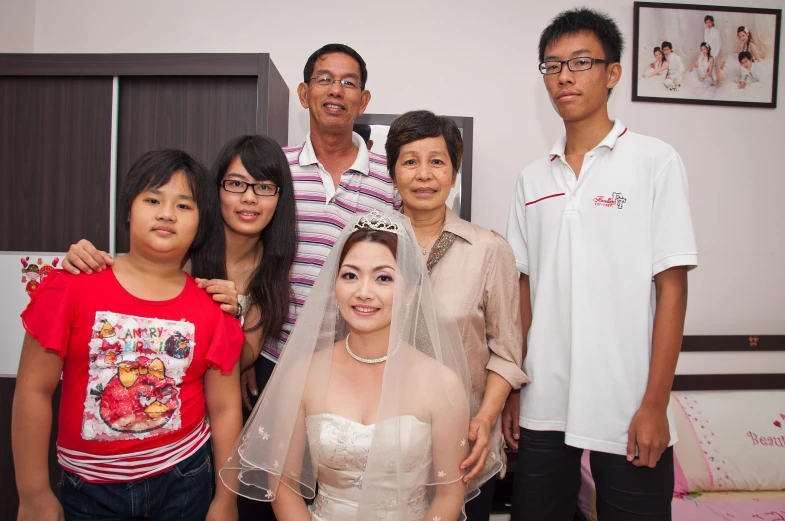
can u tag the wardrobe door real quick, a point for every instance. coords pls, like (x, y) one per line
(54, 161)
(198, 114)
(54, 189)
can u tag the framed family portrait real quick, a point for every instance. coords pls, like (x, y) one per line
(705, 54)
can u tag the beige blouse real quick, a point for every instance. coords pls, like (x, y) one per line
(476, 283)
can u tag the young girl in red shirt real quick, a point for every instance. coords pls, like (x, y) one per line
(145, 356)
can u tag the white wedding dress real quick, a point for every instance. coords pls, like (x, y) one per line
(407, 464)
(703, 67)
(650, 84)
(706, 88)
(341, 448)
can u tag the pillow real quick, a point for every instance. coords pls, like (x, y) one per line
(730, 440)
(680, 487)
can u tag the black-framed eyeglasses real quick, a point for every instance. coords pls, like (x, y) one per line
(581, 63)
(240, 187)
(329, 81)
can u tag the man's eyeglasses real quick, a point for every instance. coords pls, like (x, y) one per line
(329, 81)
(582, 63)
(240, 187)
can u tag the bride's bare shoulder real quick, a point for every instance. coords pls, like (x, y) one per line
(321, 359)
(429, 369)
(318, 373)
(323, 355)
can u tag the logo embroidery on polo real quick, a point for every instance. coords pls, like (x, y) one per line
(616, 199)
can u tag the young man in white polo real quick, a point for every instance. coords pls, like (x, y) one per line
(603, 240)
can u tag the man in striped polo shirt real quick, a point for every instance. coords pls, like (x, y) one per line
(334, 174)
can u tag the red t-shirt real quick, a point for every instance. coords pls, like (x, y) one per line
(133, 368)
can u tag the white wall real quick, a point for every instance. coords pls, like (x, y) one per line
(469, 58)
(17, 25)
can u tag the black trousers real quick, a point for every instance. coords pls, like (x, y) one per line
(479, 508)
(249, 509)
(548, 477)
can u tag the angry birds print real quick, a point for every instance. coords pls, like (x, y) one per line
(136, 367)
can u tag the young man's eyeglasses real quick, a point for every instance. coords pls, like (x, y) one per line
(582, 63)
(240, 187)
(329, 81)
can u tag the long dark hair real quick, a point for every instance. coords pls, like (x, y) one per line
(155, 169)
(268, 286)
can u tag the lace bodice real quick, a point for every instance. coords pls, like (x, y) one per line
(341, 448)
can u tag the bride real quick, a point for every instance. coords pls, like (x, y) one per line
(367, 410)
(702, 76)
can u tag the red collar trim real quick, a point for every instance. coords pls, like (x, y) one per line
(620, 135)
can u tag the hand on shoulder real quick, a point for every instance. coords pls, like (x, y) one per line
(224, 292)
(83, 257)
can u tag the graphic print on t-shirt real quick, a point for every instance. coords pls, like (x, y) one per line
(136, 367)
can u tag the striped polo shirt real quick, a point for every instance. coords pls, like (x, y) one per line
(322, 213)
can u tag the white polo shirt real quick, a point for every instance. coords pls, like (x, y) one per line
(591, 247)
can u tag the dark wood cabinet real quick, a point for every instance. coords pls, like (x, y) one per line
(54, 161)
(62, 115)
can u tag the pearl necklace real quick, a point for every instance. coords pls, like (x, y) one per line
(361, 359)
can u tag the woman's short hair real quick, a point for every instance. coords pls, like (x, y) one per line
(421, 124)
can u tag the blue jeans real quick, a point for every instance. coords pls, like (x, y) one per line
(184, 492)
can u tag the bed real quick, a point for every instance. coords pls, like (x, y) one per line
(730, 458)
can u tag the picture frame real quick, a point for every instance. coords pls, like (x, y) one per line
(673, 61)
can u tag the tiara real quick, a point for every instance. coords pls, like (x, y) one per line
(374, 220)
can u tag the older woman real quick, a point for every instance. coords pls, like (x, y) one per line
(474, 280)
